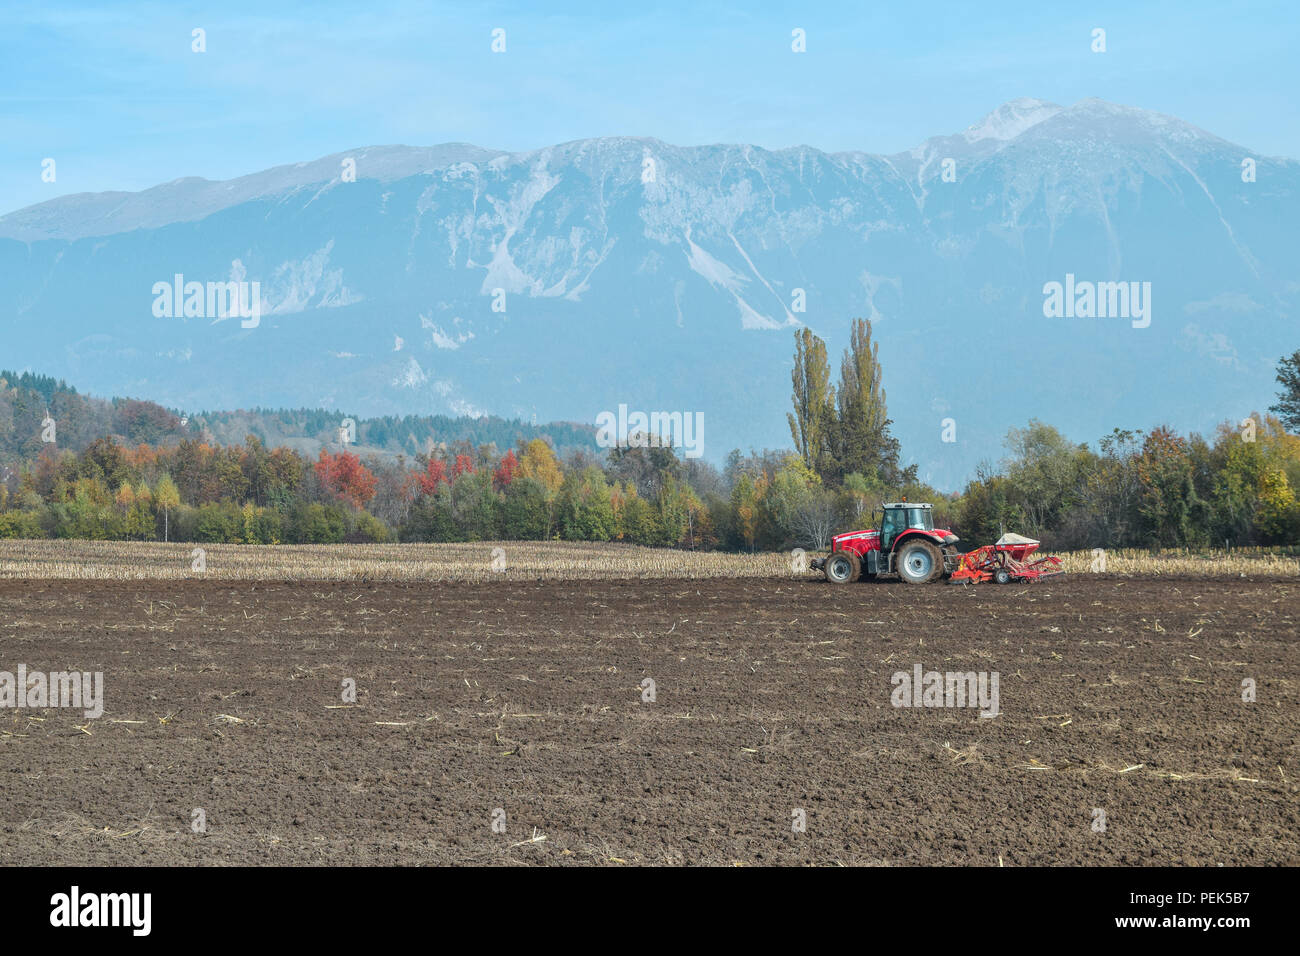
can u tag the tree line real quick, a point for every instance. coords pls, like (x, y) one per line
(139, 480)
(1136, 489)
(27, 400)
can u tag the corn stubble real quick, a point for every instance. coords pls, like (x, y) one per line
(523, 560)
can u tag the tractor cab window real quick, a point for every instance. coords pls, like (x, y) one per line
(897, 520)
(891, 523)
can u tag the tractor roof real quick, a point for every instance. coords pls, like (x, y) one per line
(906, 504)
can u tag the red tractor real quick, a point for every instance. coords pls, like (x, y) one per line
(907, 544)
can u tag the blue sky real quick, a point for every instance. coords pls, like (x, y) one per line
(113, 92)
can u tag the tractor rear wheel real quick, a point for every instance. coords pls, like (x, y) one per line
(920, 562)
(843, 567)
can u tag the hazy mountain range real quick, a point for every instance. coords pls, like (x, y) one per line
(670, 278)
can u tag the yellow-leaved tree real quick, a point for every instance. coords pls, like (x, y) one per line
(166, 496)
(539, 463)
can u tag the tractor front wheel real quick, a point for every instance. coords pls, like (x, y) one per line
(843, 567)
(920, 562)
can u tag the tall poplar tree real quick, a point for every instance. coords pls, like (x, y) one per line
(862, 435)
(812, 423)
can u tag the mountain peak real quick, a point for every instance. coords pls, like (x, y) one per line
(1116, 122)
(1011, 119)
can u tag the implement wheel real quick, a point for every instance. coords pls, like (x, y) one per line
(843, 567)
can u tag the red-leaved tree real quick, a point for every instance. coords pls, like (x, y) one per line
(506, 471)
(434, 474)
(344, 477)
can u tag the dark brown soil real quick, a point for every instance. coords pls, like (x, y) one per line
(771, 697)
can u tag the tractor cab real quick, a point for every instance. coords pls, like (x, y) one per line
(897, 517)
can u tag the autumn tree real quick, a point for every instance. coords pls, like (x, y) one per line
(145, 422)
(166, 496)
(191, 468)
(269, 476)
(685, 519)
(344, 477)
(746, 502)
(125, 496)
(1168, 502)
(506, 471)
(540, 464)
(434, 474)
